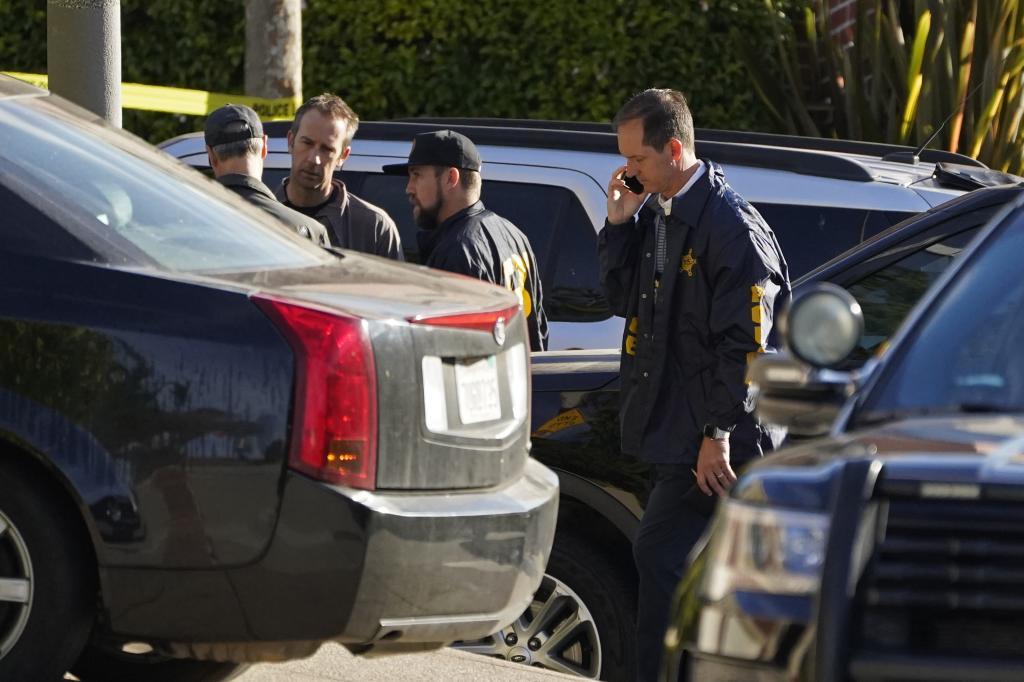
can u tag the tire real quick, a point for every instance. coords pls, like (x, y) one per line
(47, 582)
(100, 664)
(609, 592)
(581, 622)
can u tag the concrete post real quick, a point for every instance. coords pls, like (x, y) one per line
(83, 54)
(273, 48)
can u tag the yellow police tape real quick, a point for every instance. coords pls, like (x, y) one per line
(184, 100)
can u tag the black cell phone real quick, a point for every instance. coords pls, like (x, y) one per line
(632, 184)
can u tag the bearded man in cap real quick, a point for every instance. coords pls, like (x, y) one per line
(236, 147)
(459, 234)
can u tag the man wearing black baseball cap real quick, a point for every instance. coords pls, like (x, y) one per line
(458, 234)
(236, 147)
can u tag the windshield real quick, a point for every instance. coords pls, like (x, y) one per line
(132, 204)
(965, 353)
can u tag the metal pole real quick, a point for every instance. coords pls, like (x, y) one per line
(273, 48)
(83, 54)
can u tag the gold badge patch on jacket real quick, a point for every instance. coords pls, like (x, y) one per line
(688, 263)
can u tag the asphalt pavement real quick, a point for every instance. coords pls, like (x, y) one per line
(334, 663)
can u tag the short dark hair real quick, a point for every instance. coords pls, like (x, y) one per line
(231, 150)
(664, 114)
(468, 179)
(332, 107)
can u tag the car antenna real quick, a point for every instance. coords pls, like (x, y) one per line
(915, 156)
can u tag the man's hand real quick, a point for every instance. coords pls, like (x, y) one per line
(622, 204)
(714, 475)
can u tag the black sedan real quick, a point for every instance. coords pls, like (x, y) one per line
(220, 443)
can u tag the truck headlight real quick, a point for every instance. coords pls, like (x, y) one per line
(763, 550)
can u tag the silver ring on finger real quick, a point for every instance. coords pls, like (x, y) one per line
(720, 475)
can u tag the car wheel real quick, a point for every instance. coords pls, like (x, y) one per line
(581, 621)
(45, 581)
(102, 664)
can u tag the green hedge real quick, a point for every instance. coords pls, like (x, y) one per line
(181, 43)
(575, 60)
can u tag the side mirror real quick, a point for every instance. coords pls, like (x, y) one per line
(804, 400)
(796, 387)
(822, 325)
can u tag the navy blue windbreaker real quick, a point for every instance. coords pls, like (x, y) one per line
(480, 243)
(684, 357)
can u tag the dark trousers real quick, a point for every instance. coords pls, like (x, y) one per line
(675, 517)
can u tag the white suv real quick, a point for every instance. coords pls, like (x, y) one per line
(820, 196)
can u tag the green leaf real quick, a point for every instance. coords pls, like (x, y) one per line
(915, 78)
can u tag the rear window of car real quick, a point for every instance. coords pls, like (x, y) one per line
(812, 235)
(131, 204)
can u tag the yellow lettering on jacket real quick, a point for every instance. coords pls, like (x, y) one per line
(515, 273)
(630, 343)
(756, 294)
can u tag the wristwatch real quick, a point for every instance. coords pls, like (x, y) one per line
(713, 432)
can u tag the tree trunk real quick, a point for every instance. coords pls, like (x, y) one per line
(83, 54)
(273, 48)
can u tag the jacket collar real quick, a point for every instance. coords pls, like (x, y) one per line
(457, 217)
(427, 240)
(337, 197)
(690, 206)
(247, 181)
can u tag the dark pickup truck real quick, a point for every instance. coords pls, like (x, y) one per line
(890, 547)
(581, 620)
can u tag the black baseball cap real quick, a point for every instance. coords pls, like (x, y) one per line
(232, 123)
(445, 148)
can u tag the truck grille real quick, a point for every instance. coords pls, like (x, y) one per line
(946, 578)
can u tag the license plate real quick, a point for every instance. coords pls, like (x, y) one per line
(476, 382)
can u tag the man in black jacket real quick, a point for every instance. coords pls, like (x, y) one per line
(699, 276)
(236, 147)
(459, 234)
(319, 141)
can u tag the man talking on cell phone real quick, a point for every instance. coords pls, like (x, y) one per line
(698, 275)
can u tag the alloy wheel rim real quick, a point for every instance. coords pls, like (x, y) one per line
(555, 632)
(16, 584)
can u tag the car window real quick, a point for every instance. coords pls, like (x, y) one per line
(812, 235)
(572, 283)
(273, 177)
(564, 242)
(388, 192)
(552, 218)
(965, 350)
(132, 204)
(887, 295)
(26, 230)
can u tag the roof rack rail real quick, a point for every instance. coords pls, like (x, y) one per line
(807, 162)
(821, 144)
(586, 126)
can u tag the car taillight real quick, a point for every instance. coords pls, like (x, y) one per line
(335, 420)
(479, 321)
